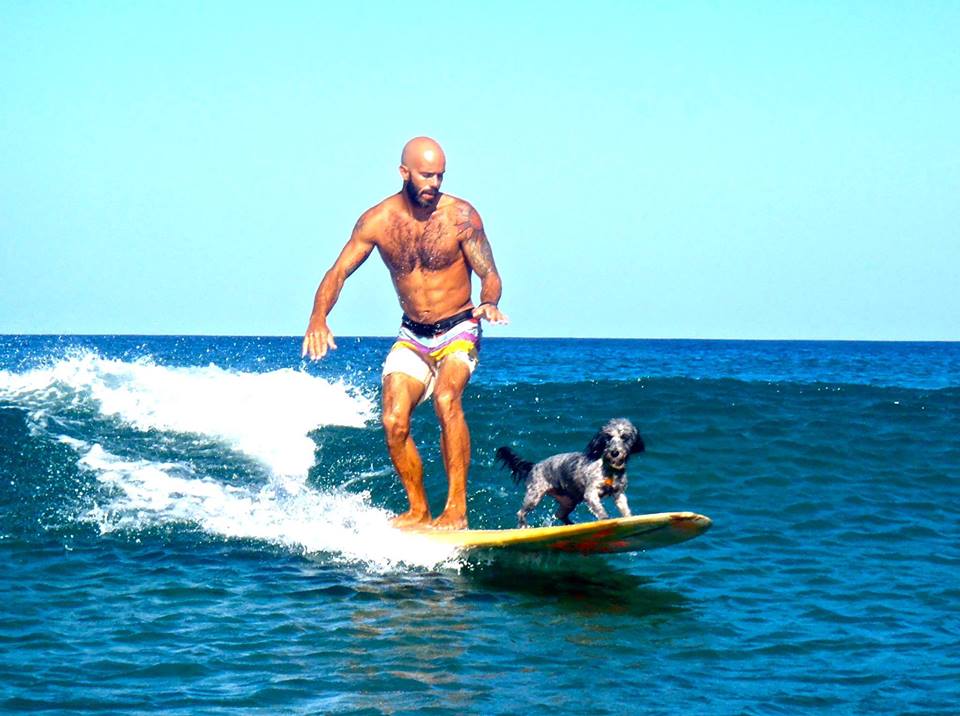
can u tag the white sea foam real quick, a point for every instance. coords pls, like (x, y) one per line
(266, 416)
(141, 494)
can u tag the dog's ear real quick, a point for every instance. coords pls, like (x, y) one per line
(597, 445)
(638, 445)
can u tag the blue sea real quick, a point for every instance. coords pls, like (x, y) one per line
(199, 525)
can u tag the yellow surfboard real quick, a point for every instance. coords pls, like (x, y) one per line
(625, 534)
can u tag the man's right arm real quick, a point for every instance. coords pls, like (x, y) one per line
(319, 338)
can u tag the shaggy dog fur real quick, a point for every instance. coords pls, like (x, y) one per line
(575, 477)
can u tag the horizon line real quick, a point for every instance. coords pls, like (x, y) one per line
(494, 338)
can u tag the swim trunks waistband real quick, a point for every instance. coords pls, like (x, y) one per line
(428, 330)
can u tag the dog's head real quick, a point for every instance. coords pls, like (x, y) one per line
(615, 442)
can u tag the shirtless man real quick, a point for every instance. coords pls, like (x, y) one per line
(431, 243)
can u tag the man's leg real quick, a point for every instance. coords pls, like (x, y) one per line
(401, 393)
(452, 378)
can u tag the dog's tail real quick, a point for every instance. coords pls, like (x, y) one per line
(516, 464)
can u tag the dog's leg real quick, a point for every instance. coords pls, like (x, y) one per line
(621, 502)
(522, 518)
(564, 508)
(531, 499)
(592, 498)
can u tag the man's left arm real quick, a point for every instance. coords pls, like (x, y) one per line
(479, 256)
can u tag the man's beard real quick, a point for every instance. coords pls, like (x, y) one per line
(415, 196)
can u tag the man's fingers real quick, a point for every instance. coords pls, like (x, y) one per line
(315, 345)
(491, 314)
(498, 316)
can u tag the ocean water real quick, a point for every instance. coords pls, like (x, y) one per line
(199, 525)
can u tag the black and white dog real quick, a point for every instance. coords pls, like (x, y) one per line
(575, 477)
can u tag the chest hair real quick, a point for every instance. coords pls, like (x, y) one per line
(410, 245)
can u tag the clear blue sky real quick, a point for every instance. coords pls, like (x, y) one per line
(703, 170)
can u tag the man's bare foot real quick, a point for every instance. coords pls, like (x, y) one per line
(410, 520)
(450, 521)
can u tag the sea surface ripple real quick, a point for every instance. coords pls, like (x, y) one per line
(200, 525)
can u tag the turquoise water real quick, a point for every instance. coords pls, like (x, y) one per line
(199, 525)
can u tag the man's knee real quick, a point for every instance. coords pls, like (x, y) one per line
(447, 402)
(396, 424)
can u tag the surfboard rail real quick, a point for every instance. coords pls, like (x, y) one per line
(623, 534)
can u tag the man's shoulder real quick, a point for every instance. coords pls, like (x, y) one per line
(383, 207)
(449, 201)
(376, 215)
(460, 209)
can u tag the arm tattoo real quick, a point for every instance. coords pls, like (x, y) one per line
(473, 239)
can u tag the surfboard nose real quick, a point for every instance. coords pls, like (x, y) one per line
(691, 521)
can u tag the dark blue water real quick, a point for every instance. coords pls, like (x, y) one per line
(199, 525)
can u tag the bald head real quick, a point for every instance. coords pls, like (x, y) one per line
(421, 150)
(422, 165)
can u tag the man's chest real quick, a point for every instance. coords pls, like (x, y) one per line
(409, 245)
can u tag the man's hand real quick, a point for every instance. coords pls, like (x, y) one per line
(318, 340)
(489, 312)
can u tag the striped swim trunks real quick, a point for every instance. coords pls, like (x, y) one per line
(420, 348)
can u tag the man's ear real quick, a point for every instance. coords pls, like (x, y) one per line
(404, 173)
